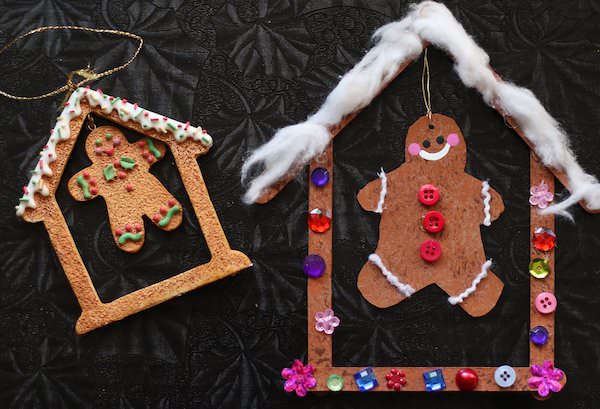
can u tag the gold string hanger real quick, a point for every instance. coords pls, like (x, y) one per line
(425, 77)
(87, 73)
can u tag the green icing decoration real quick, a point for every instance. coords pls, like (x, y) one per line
(109, 172)
(152, 148)
(84, 186)
(165, 220)
(130, 236)
(127, 162)
(108, 136)
(98, 142)
(24, 199)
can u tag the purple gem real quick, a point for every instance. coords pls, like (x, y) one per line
(538, 335)
(320, 177)
(313, 266)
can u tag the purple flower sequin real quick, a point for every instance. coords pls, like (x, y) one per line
(326, 321)
(540, 196)
(299, 378)
(545, 378)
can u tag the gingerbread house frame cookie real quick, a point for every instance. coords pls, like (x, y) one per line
(38, 204)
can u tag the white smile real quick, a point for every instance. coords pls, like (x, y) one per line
(435, 156)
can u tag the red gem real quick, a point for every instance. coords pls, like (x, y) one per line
(543, 239)
(395, 379)
(138, 227)
(129, 187)
(163, 210)
(466, 379)
(171, 202)
(156, 218)
(128, 227)
(94, 191)
(319, 220)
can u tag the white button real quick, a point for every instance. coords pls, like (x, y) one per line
(505, 376)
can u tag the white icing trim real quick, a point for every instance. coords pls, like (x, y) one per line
(383, 191)
(483, 274)
(485, 193)
(405, 289)
(437, 155)
(127, 112)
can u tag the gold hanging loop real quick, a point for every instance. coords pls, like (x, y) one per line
(87, 74)
(425, 78)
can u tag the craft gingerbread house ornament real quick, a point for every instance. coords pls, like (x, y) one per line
(431, 211)
(119, 174)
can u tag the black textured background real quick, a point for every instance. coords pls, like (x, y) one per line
(243, 69)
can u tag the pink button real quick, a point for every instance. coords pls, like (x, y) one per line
(545, 303)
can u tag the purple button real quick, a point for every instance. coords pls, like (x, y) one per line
(320, 177)
(313, 266)
(538, 335)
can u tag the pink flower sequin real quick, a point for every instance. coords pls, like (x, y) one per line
(299, 378)
(326, 321)
(540, 196)
(545, 378)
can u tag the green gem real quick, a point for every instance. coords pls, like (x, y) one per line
(98, 142)
(108, 136)
(539, 268)
(335, 382)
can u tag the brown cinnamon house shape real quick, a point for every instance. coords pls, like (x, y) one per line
(119, 173)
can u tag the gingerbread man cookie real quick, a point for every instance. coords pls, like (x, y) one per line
(120, 173)
(431, 213)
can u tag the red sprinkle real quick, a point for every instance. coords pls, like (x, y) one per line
(204, 131)
(150, 159)
(154, 119)
(122, 175)
(146, 114)
(116, 163)
(109, 152)
(111, 98)
(118, 231)
(86, 174)
(145, 153)
(156, 218)
(94, 190)
(49, 155)
(129, 187)
(178, 125)
(138, 227)
(142, 144)
(163, 210)
(87, 86)
(135, 105)
(128, 227)
(171, 202)
(99, 91)
(25, 190)
(124, 100)
(93, 182)
(67, 104)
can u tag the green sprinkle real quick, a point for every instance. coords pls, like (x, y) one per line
(24, 199)
(114, 100)
(144, 126)
(165, 220)
(127, 162)
(34, 172)
(152, 148)
(58, 132)
(130, 236)
(104, 96)
(170, 125)
(108, 136)
(98, 142)
(84, 186)
(109, 172)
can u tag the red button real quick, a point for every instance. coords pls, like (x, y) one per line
(429, 195)
(431, 250)
(433, 222)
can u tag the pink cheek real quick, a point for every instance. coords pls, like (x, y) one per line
(453, 139)
(414, 149)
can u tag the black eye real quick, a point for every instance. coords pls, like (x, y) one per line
(426, 143)
(440, 139)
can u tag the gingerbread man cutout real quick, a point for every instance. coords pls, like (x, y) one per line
(120, 173)
(431, 212)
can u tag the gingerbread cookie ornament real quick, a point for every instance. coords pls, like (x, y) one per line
(431, 213)
(120, 173)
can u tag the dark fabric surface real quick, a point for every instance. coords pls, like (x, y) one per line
(243, 69)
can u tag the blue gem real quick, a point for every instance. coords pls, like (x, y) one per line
(365, 379)
(434, 380)
(320, 177)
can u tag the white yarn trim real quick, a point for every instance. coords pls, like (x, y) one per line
(405, 289)
(485, 193)
(483, 274)
(294, 146)
(383, 191)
